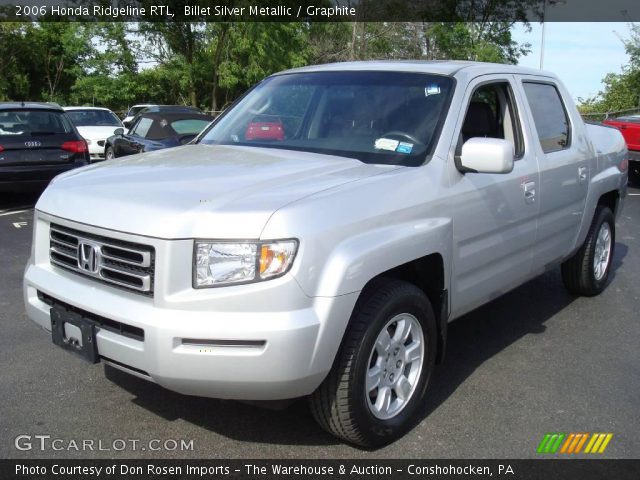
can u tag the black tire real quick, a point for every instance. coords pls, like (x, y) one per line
(634, 173)
(578, 273)
(340, 404)
(109, 153)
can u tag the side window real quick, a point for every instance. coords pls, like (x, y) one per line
(492, 113)
(549, 116)
(142, 127)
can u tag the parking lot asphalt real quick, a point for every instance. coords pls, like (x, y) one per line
(535, 361)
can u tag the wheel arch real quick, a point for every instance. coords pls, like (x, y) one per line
(428, 274)
(611, 200)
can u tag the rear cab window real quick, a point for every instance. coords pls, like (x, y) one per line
(190, 126)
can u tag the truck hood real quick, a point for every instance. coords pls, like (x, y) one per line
(97, 133)
(196, 191)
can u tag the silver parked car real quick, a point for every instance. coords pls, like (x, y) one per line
(317, 238)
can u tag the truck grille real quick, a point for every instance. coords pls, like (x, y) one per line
(122, 264)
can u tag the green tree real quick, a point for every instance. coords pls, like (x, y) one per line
(62, 49)
(15, 80)
(255, 50)
(621, 90)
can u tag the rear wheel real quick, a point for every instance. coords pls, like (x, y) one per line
(587, 272)
(379, 379)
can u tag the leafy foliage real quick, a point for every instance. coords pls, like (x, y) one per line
(210, 64)
(621, 90)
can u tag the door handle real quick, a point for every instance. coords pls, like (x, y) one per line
(529, 189)
(582, 174)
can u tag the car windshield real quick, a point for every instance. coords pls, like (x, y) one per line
(33, 122)
(133, 111)
(92, 118)
(375, 117)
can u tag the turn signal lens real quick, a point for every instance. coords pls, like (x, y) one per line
(275, 258)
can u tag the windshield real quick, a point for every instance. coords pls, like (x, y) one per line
(33, 122)
(133, 111)
(375, 117)
(92, 118)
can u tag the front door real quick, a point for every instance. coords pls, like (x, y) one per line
(494, 215)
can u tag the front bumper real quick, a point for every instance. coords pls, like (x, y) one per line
(96, 150)
(633, 156)
(282, 342)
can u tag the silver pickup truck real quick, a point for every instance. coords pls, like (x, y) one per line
(316, 239)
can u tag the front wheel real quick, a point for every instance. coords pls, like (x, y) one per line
(379, 379)
(587, 272)
(109, 153)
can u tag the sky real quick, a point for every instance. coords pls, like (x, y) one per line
(581, 54)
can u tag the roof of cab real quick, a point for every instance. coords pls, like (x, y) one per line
(70, 109)
(29, 106)
(438, 67)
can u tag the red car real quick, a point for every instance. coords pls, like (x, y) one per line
(265, 129)
(630, 128)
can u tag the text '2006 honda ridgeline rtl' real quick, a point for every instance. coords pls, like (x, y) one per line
(317, 238)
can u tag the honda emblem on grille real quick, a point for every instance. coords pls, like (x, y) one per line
(88, 257)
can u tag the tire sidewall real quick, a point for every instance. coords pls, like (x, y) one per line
(380, 431)
(604, 216)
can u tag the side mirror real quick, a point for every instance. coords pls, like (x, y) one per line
(486, 155)
(118, 131)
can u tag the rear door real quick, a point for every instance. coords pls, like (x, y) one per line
(563, 153)
(38, 137)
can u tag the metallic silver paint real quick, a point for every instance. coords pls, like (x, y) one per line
(354, 221)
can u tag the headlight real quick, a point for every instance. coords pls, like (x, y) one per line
(227, 263)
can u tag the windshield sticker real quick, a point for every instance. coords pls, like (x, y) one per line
(404, 147)
(433, 89)
(386, 144)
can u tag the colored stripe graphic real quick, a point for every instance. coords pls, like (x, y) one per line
(598, 443)
(572, 443)
(550, 443)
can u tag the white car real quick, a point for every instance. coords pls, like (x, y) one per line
(133, 111)
(95, 124)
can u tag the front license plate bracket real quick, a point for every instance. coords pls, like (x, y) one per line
(88, 348)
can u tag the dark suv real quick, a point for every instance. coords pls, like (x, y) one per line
(37, 142)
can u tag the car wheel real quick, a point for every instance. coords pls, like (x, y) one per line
(109, 153)
(587, 272)
(376, 388)
(634, 173)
